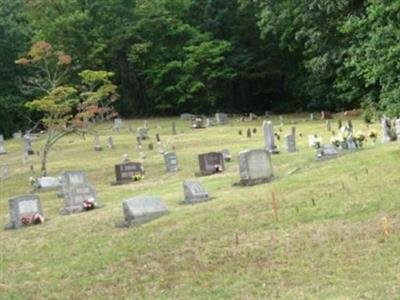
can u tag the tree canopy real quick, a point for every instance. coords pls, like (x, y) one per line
(170, 56)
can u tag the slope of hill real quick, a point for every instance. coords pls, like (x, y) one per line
(327, 241)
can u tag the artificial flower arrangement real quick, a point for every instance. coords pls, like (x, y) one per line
(137, 177)
(336, 141)
(218, 168)
(373, 135)
(89, 203)
(359, 139)
(32, 219)
(317, 143)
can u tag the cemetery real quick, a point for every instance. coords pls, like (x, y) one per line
(199, 149)
(260, 200)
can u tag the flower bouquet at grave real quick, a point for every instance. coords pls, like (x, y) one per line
(32, 219)
(336, 141)
(137, 177)
(89, 203)
(317, 143)
(359, 139)
(218, 168)
(373, 135)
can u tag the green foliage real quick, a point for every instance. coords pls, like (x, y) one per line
(170, 56)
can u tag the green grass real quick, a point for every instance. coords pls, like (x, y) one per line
(333, 250)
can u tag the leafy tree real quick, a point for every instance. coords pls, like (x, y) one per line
(67, 109)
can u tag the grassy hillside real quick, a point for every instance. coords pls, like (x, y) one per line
(327, 243)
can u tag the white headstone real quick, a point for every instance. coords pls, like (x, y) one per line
(269, 137)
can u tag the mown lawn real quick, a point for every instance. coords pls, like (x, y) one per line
(327, 243)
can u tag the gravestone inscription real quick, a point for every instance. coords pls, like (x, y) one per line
(211, 163)
(255, 167)
(128, 172)
(25, 210)
(171, 161)
(194, 192)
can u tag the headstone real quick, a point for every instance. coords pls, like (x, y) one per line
(128, 172)
(142, 132)
(208, 122)
(77, 197)
(248, 132)
(252, 117)
(211, 163)
(17, 135)
(110, 142)
(140, 210)
(2, 147)
(194, 192)
(312, 117)
(28, 144)
(385, 123)
(291, 143)
(24, 210)
(269, 137)
(158, 138)
(240, 132)
(325, 115)
(227, 155)
(174, 129)
(397, 125)
(171, 162)
(1, 138)
(118, 123)
(71, 178)
(186, 117)
(4, 172)
(254, 130)
(339, 124)
(351, 145)
(97, 145)
(281, 120)
(145, 124)
(130, 128)
(151, 147)
(221, 118)
(293, 130)
(328, 125)
(48, 183)
(327, 151)
(255, 166)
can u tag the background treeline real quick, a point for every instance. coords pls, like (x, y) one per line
(171, 56)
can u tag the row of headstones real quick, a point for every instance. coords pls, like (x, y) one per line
(255, 168)
(202, 122)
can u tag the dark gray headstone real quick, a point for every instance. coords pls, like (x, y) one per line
(211, 163)
(255, 166)
(125, 173)
(171, 161)
(23, 207)
(140, 210)
(194, 192)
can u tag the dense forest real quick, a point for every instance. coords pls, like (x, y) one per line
(202, 56)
